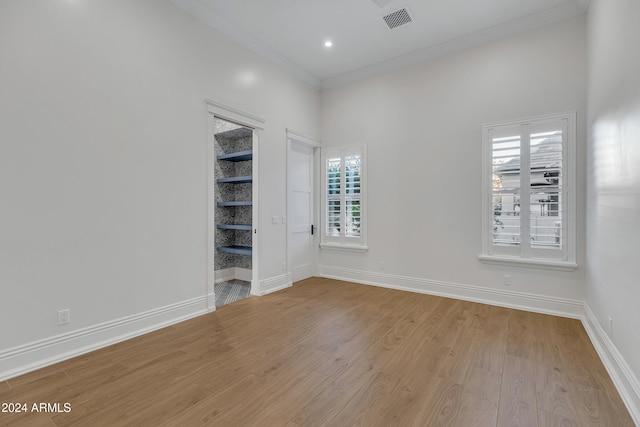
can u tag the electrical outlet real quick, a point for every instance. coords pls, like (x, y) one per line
(610, 325)
(284, 266)
(64, 316)
(506, 280)
(381, 266)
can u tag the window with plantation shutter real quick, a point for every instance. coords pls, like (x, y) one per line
(529, 204)
(334, 196)
(344, 198)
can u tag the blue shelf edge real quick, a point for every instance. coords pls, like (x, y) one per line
(239, 156)
(235, 249)
(238, 203)
(235, 180)
(246, 227)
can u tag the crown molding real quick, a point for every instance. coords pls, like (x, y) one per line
(234, 32)
(559, 13)
(521, 25)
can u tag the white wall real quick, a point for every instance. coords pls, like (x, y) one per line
(103, 169)
(423, 129)
(613, 197)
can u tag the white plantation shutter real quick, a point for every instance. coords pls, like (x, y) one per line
(528, 205)
(343, 196)
(506, 186)
(352, 167)
(546, 195)
(333, 184)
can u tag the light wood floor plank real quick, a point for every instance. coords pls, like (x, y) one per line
(333, 353)
(545, 419)
(518, 393)
(595, 409)
(302, 393)
(447, 406)
(362, 408)
(480, 399)
(554, 393)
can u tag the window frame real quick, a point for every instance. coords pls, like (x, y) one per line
(525, 255)
(344, 242)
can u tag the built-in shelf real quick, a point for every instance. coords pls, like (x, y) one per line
(233, 222)
(235, 226)
(240, 156)
(234, 203)
(235, 133)
(235, 180)
(235, 249)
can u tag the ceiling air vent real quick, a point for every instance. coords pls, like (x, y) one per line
(397, 18)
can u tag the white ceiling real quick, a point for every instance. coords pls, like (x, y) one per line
(292, 33)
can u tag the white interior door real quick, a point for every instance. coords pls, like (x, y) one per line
(301, 211)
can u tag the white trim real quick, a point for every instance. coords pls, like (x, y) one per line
(231, 273)
(343, 242)
(528, 262)
(539, 118)
(225, 274)
(344, 247)
(274, 284)
(233, 114)
(225, 112)
(211, 213)
(302, 139)
(621, 374)
(525, 255)
(211, 297)
(255, 214)
(518, 300)
(245, 274)
(38, 354)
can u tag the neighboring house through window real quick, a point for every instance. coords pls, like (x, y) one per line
(529, 184)
(343, 198)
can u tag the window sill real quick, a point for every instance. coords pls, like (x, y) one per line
(348, 248)
(529, 262)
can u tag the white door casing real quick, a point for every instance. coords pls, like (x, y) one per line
(256, 123)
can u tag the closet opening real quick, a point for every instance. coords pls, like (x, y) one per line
(233, 212)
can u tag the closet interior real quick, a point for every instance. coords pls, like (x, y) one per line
(233, 212)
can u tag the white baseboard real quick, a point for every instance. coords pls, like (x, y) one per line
(244, 274)
(621, 374)
(38, 354)
(211, 297)
(267, 286)
(225, 275)
(232, 273)
(274, 284)
(519, 300)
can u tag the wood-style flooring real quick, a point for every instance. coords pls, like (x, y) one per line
(333, 353)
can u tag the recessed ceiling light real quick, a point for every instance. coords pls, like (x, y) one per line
(328, 43)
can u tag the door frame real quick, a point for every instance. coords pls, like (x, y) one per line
(224, 112)
(298, 138)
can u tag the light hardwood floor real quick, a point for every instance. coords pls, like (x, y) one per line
(334, 353)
